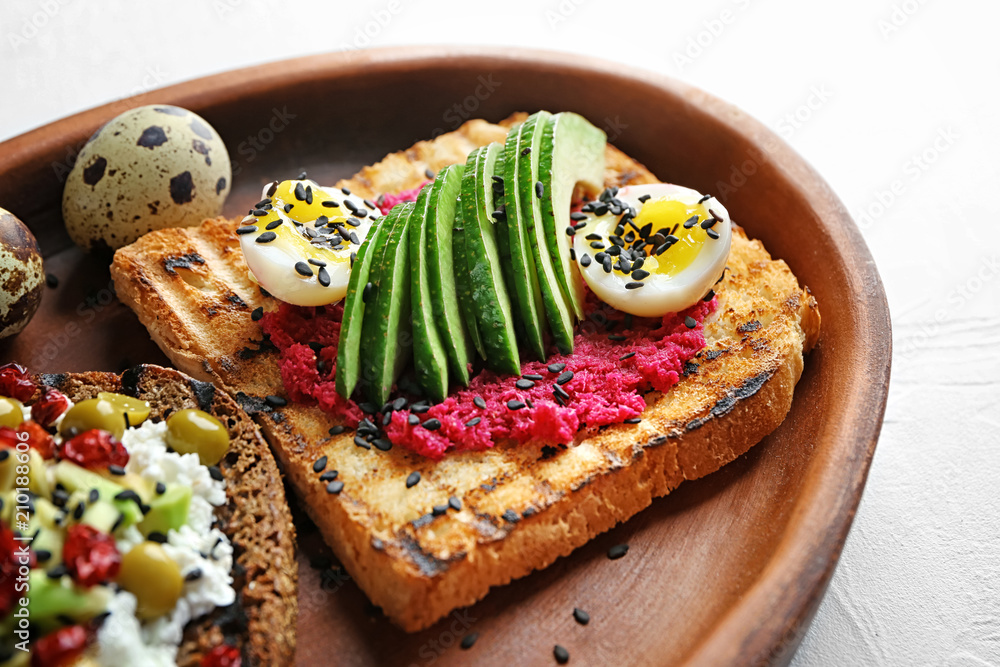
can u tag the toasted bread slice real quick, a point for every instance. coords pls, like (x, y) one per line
(521, 506)
(256, 518)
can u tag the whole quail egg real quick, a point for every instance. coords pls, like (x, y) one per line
(21, 275)
(151, 167)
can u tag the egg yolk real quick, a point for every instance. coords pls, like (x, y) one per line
(668, 217)
(307, 202)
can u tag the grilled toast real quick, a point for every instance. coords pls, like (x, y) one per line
(521, 506)
(256, 517)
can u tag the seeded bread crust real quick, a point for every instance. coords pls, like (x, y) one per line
(521, 506)
(256, 519)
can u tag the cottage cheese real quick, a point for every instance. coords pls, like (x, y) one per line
(123, 640)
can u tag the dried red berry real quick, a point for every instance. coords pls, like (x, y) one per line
(48, 408)
(222, 655)
(38, 438)
(61, 647)
(90, 555)
(94, 449)
(15, 382)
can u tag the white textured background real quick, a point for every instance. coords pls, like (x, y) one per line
(897, 104)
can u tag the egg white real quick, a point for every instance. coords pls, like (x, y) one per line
(659, 294)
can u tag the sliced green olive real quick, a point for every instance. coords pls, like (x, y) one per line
(136, 410)
(148, 573)
(195, 432)
(10, 412)
(93, 413)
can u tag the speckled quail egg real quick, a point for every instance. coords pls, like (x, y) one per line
(21, 275)
(149, 168)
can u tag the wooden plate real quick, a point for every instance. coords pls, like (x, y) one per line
(729, 569)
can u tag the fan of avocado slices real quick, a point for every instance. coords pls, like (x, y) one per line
(475, 269)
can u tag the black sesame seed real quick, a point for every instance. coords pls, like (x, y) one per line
(323, 276)
(628, 355)
(470, 639)
(319, 465)
(272, 188)
(585, 260)
(691, 222)
(116, 470)
(601, 209)
(524, 384)
(193, 575)
(633, 285)
(564, 378)
(617, 551)
(215, 473)
(510, 516)
(42, 555)
(161, 488)
(556, 368)
(412, 419)
(712, 234)
(361, 442)
(309, 195)
(303, 269)
(514, 405)
(704, 199)
(432, 424)
(366, 293)
(690, 322)
(708, 224)
(559, 392)
(608, 263)
(633, 420)
(329, 203)
(382, 444)
(58, 571)
(539, 189)
(351, 206)
(644, 198)
(640, 274)
(328, 476)
(438, 510)
(335, 487)
(570, 231)
(561, 654)
(300, 192)
(428, 173)
(581, 616)
(473, 422)
(614, 251)
(413, 479)
(275, 401)
(709, 296)
(246, 229)
(51, 280)
(266, 237)
(127, 494)
(157, 537)
(345, 191)
(455, 503)
(337, 430)
(479, 402)
(258, 212)
(576, 216)
(353, 222)
(617, 337)
(288, 207)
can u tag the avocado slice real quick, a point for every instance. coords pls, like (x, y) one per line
(75, 478)
(385, 334)
(167, 511)
(442, 206)
(494, 318)
(572, 152)
(50, 599)
(558, 312)
(349, 344)
(525, 291)
(430, 361)
(463, 290)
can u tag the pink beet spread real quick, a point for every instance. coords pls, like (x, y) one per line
(604, 389)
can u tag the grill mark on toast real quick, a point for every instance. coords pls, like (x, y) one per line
(173, 262)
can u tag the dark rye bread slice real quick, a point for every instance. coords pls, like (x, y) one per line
(256, 518)
(521, 506)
